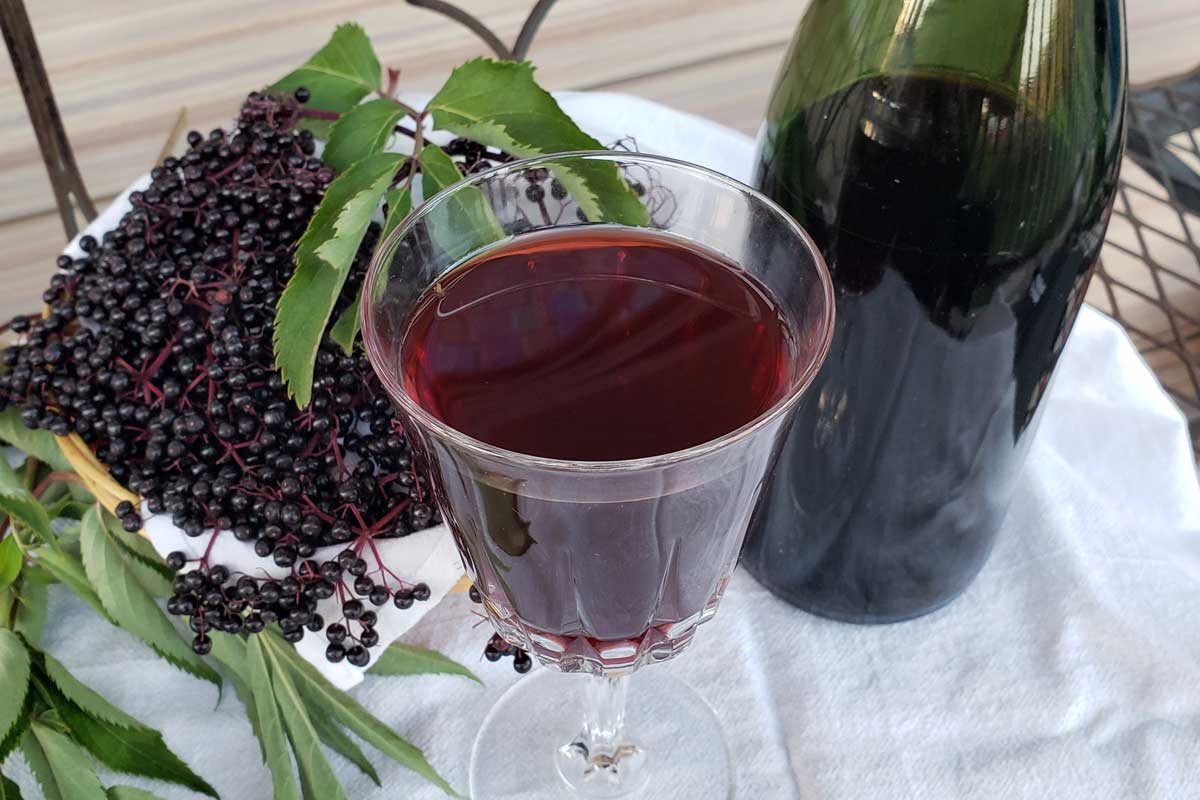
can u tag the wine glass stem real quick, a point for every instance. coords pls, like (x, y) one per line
(604, 713)
(601, 761)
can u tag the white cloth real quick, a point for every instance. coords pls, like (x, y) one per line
(1069, 670)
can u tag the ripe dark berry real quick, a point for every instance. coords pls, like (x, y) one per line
(522, 663)
(218, 574)
(491, 653)
(357, 567)
(358, 656)
(284, 555)
(353, 609)
(403, 599)
(302, 94)
(124, 508)
(176, 560)
(294, 635)
(379, 596)
(363, 585)
(421, 592)
(201, 644)
(369, 637)
(336, 633)
(335, 653)
(368, 619)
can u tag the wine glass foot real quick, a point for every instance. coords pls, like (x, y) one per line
(676, 747)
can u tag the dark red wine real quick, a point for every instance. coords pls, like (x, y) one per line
(596, 344)
(960, 226)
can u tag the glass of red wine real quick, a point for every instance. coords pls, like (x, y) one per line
(596, 355)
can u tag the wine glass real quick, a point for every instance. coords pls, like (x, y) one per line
(598, 567)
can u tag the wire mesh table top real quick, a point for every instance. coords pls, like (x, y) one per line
(1149, 272)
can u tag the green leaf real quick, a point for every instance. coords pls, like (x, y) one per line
(35, 757)
(69, 570)
(469, 223)
(324, 255)
(270, 728)
(14, 666)
(339, 742)
(345, 330)
(72, 770)
(11, 559)
(362, 131)
(337, 76)
(79, 694)
(138, 547)
(37, 443)
(498, 103)
(24, 508)
(133, 749)
(352, 715)
(316, 775)
(9, 790)
(130, 604)
(399, 204)
(31, 597)
(130, 793)
(9, 479)
(407, 659)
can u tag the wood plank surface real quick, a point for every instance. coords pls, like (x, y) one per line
(122, 69)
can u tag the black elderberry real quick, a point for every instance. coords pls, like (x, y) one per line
(352, 609)
(358, 656)
(421, 592)
(379, 595)
(201, 644)
(176, 560)
(403, 599)
(336, 633)
(369, 637)
(335, 653)
(522, 663)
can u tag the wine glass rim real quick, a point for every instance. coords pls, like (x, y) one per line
(394, 386)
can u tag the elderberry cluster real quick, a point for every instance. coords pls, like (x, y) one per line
(498, 647)
(157, 350)
(213, 599)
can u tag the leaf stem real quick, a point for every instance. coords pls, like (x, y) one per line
(530, 28)
(462, 17)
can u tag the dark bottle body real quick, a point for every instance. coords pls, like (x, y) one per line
(957, 170)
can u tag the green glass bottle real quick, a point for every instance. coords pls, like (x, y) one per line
(956, 161)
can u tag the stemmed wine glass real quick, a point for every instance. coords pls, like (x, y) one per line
(599, 566)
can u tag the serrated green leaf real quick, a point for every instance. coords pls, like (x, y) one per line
(469, 222)
(340, 742)
(324, 255)
(9, 742)
(337, 76)
(128, 602)
(24, 508)
(9, 790)
(362, 131)
(31, 599)
(39, 765)
(37, 443)
(68, 569)
(138, 547)
(270, 727)
(407, 659)
(316, 775)
(131, 749)
(130, 793)
(15, 669)
(72, 770)
(81, 695)
(352, 715)
(499, 104)
(11, 560)
(399, 205)
(9, 479)
(345, 330)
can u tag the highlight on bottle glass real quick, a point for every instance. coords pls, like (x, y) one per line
(597, 354)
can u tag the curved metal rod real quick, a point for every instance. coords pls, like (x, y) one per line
(530, 28)
(478, 28)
